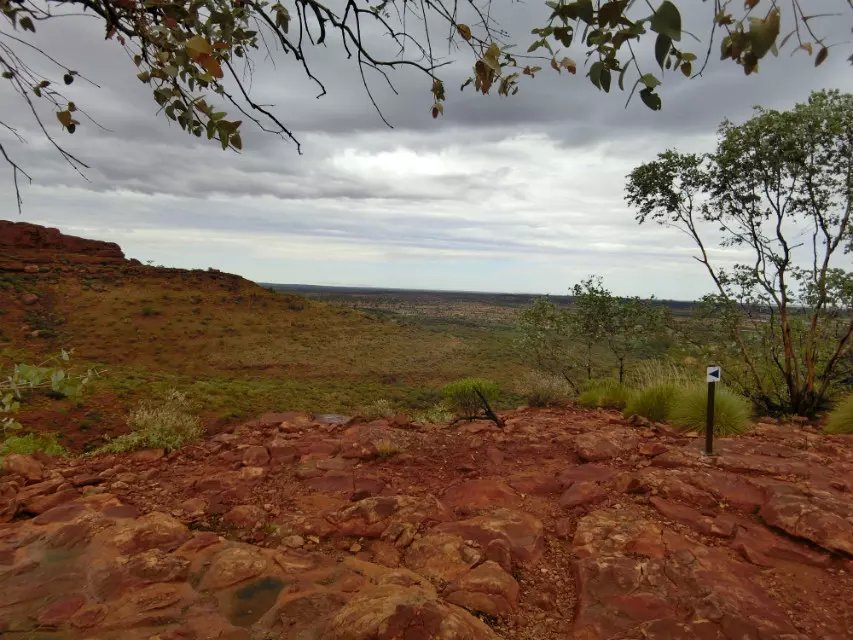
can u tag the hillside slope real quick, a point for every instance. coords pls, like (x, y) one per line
(236, 347)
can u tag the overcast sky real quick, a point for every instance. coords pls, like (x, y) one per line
(501, 194)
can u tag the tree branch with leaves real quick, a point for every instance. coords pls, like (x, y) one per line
(198, 56)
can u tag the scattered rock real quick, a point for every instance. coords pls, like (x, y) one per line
(255, 456)
(604, 444)
(244, 516)
(27, 467)
(521, 531)
(441, 557)
(582, 493)
(486, 589)
(480, 494)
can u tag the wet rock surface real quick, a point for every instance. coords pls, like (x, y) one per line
(565, 524)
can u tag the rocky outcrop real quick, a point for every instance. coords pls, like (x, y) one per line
(26, 238)
(292, 527)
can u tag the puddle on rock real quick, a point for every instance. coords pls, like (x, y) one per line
(251, 602)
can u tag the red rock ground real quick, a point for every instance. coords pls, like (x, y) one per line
(565, 524)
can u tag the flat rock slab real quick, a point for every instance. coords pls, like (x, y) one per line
(637, 579)
(82, 573)
(824, 518)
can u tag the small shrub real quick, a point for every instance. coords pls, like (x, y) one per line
(472, 398)
(381, 408)
(169, 424)
(148, 311)
(654, 402)
(731, 411)
(30, 443)
(545, 390)
(841, 418)
(386, 448)
(606, 393)
(436, 414)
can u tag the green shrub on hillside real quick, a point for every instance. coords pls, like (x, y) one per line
(545, 390)
(653, 402)
(731, 411)
(841, 418)
(472, 398)
(169, 424)
(31, 443)
(606, 393)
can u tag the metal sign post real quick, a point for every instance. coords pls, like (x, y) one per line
(712, 377)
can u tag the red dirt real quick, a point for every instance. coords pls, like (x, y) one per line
(566, 524)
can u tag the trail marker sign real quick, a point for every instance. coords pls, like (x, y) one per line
(712, 377)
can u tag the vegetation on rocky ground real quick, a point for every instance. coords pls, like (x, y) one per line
(52, 376)
(731, 410)
(168, 424)
(841, 418)
(542, 389)
(30, 443)
(606, 393)
(473, 399)
(654, 402)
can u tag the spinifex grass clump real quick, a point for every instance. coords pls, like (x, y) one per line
(545, 390)
(472, 399)
(841, 418)
(606, 393)
(169, 424)
(654, 402)
(731, 411)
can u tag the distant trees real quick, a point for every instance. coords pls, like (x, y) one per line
(778, 188)
(568, 341)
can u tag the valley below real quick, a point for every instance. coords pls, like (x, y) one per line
(296, 516)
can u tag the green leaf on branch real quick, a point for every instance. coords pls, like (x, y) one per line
(649, 80)
(650, 99)
(663, 44)
(667, 21)
(763, 33)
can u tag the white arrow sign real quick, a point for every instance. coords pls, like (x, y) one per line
(713, 374)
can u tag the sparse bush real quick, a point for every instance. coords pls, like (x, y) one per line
(169, 424)
(149, 311)
(436, 414)
(654, 402)
(471, 399)
(841, 418)
(731, 411)
(386, 448)
(606, 393)
(381, 408)
(544, 390)
(31, 443)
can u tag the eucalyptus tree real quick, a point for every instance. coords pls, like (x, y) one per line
(778, 191)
